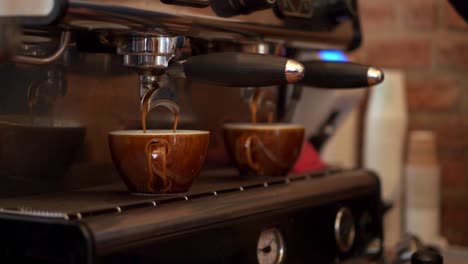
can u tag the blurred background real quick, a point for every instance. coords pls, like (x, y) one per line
(428, 41)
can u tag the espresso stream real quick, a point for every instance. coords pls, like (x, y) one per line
(257, 100)
(33, 97)
(147, 106)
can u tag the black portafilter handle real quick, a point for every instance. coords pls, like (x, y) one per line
(340, 75)
(239, 69)
(229, 8)
(426, 256)
(461, 6)
(191, 3)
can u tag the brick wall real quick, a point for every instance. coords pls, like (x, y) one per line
(429, 41)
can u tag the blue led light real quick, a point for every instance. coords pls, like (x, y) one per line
(332, 55)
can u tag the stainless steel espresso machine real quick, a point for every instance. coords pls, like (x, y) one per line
(73, 70)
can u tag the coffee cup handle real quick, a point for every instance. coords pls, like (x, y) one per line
(157, 150)
(248, 153)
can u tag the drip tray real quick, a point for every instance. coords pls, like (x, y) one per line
(116, 198)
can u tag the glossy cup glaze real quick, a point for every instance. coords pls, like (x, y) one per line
(264, 149)
(158, 161)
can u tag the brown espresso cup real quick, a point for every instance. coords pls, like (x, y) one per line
(264, 149)
(158, 161)
(38, 149)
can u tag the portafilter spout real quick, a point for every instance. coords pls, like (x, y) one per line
(148, 55)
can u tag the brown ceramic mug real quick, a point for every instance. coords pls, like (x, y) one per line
(158, 161)
(38, 149)
(264, 149)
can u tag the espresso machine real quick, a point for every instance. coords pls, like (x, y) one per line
(74, 70)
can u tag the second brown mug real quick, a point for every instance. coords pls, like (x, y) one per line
(264, 149)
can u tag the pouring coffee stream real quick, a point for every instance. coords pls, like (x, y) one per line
(261, 98)
(37, 94)
(150, 169)
(147, 106)
(32, 96)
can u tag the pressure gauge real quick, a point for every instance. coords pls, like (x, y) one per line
(270, 247)
(345, 230)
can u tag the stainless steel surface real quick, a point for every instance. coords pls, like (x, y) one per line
(262, 48)
(293, 100)
(406, 247)
(154, 16)
(148, 82)
(37, 46)
(374, 247)
(374, 76)
(294, 71)
(345, 230)
(35, 213)
(64, 41)
(148, 55)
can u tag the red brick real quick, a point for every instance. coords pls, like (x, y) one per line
(453, 172)
(454, 216)
(419, 14)
(358, 55)
(452, 51)
(429, 120)
(432, 93)
(451, 134)
(454, 209)
(464, 100)
(395, 52)
(377, 15)
(453, 19)
(450, 129)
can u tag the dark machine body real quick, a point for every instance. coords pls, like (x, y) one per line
(219, 221)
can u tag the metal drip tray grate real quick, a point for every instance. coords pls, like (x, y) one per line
(115, 199)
